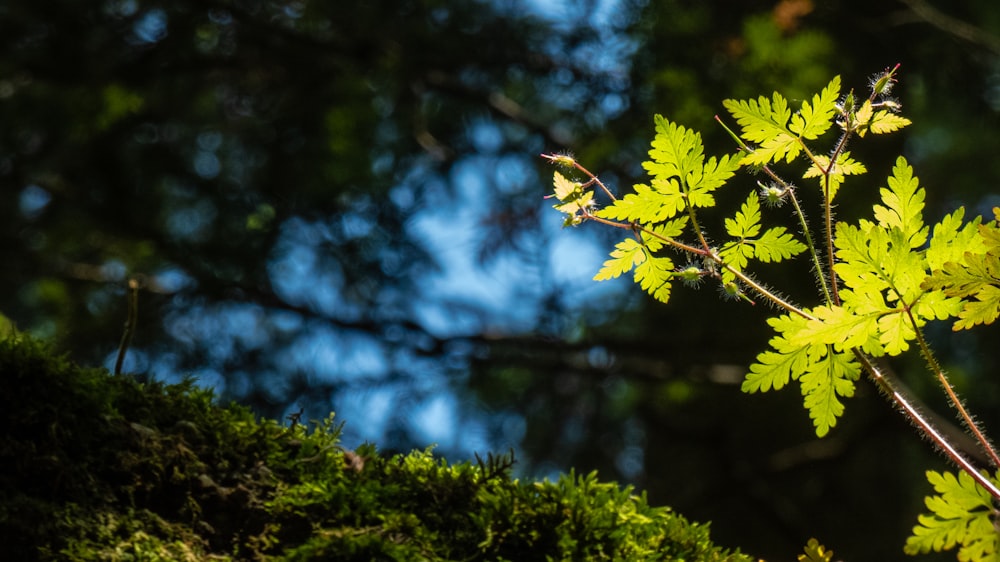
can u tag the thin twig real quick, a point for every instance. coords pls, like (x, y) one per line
(130, 322)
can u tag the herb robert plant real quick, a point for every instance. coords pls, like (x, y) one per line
(881, 279)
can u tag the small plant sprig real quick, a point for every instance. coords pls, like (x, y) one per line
(880, 279)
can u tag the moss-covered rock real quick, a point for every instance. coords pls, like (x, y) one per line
(101, 467)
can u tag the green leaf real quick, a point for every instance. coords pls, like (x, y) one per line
(787, 361)
(647, 204)
(904, 205)
(564, 188)
(823, 383)
(951, 239)
(627, 254)
(984, 310)
(885, 274)
(887, 122)
(765, 122)
(676, 151)
(845, 166)
(974, 277)
(654, 275)
(746, 224)
(960, 515)
(776, 244)
(669, 229)
(815, 119)
(678, 166)
(736, 254)
(573, 198)
(839, 327)
(760, 119)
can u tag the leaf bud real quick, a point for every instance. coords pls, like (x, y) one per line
(882, 83)
(560, 159)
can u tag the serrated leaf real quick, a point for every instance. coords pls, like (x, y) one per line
(774, 370)
(746, 223)
(824, 383)
(777, 244)
(564, 187)
(676, 151)
(782, 146)
(786, 360)
(837, 326)
(960, 516)
(950, 240)
(845, 166)
(585, 201)
(668, 229)
(863, 117)
(975, 279)
(815, 118)
(886, 122)
(984, 310)
(765, 122)
(904, 204)
(654, 275)
(737, 254)
(572, 197)
(762, 118)
(894, 332)
(713, 174)
(680, 173)
(647, 205)
(627, 254)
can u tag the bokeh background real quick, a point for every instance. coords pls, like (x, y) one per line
(338, 206)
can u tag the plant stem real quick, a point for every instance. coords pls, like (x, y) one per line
(949, 389)
(885, 383)
(130, 321)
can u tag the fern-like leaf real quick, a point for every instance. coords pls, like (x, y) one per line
(746, 224)
(765, 122)
(815, 118)
(845, 166)
(627, 254)
(887, 122)
(885, 274)
(787, 361)
(952, 238)
(654, 276)
(878, 122)
(904, 205)
(648, 204)
(823, 383)
(777, 244)
(960, 515)
(974, 277)
(681, 177)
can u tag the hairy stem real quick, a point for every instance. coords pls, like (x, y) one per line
(949, 389)
(920, 421)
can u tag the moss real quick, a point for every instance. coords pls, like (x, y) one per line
(101, 467)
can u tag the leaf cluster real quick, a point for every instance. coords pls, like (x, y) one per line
(886, 277)
(962, 514)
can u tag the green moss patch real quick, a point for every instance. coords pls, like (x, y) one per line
(101, 467)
